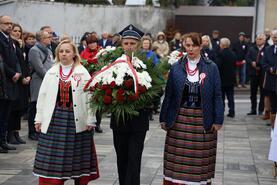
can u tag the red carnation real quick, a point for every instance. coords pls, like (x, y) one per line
(112, 85)
(107, 100)
(128, 83)
(142, 89)
(104, 87)
(180, 54)
(119, 98)
(92, 88)
(108, 91)
(120, 91)
(132, 97)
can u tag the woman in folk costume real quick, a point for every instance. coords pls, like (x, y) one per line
(65, 148)
(191, 113)
(129, 135)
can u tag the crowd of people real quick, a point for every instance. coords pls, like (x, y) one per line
(41, 79)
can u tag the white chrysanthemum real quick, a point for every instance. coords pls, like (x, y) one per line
(110, 48)
(175, 56)
(144, 79)
(137, 63)
(105, 50)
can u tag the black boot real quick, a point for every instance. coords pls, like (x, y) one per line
(151, 118)
(3, 151)
(33, 136)
(98, 129)
(5, 146)
(18, 138)
(11, 138)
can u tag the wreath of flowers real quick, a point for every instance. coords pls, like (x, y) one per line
(123, 83)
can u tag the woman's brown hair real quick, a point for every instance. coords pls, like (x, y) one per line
(21, 36)
(146, 38)
(194, 36)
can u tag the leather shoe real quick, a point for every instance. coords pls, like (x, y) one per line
(18, 138)
(98, 129)
(252, 113)
(231, 115)
(5, 146)
(33, 137)
(3, 151)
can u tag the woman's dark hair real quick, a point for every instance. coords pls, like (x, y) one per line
(195, 37)
(91, 39)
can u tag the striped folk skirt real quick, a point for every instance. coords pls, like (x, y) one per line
(64, 154)
(190, 154)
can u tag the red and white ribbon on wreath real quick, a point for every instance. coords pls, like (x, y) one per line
(128, 62)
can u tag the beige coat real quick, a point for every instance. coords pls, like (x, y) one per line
(48, 94)
(162, 47)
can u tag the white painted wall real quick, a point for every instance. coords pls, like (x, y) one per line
(76, 19)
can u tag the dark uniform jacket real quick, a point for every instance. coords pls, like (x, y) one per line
(270, 61)
(138, 123)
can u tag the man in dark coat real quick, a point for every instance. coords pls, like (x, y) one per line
(225, 61)
(270, 66)
(12, 75)
(215, 41)
(241, 48)
(254, 59)
(105, 41)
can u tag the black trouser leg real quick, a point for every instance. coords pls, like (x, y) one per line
(230, 97)
(254, 84)
(31, 118)
(14, 122)
(98, 118)
(5, 110)
(136, 144)
(262, 95)
(273, 102)
(121, 148)
(223, 97)
(129, 148)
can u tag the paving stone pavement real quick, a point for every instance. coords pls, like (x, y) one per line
(243, 145)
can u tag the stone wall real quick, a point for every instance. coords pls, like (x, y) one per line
(76, 19)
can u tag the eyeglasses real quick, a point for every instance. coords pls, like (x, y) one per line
(7, 23)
